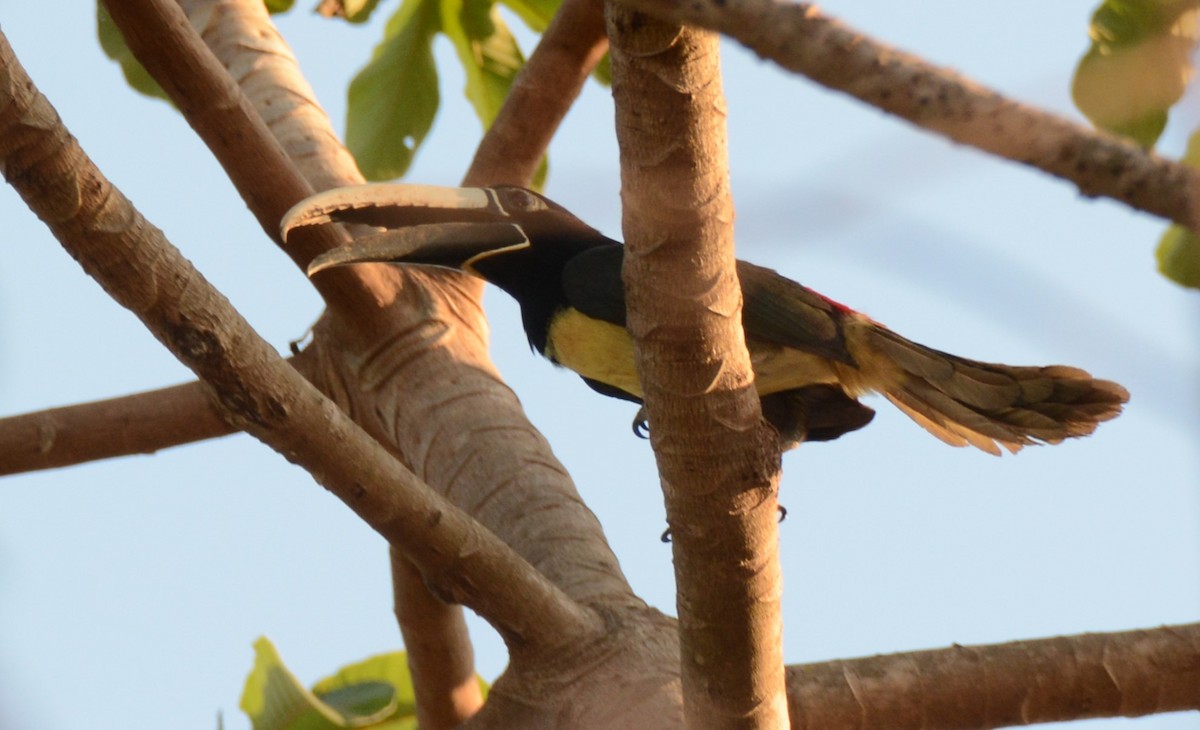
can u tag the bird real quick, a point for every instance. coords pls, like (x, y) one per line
(812, 357)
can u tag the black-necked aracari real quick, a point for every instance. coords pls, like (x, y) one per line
(812, 357)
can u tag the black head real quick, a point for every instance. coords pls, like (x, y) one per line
(512, 237)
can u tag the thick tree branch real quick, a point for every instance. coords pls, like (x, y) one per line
(242, 37)
(541, 95)
(509, 153)
(410, 332)
(800, 38)
(247, 44)
(162, 38)
(718, 460)
(1127, 674)
(256, 388)
(423, 361)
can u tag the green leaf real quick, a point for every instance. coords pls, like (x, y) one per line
(353, 11)
(534, 13)
(113, 45)
(371, 702)
(1138, 65)
(1178, 251)
(279, 6)
(359, 684)
(488, 52)
(394, 99)
(375, 693)
(539, 176)
(275, 700)
(537, 14)
(1178, 256)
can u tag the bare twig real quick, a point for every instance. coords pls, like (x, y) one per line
(141, 423)
(1126, 674)
(541, 95)
(718, 460)
(439, 650)
(256, 388)
(800, 38)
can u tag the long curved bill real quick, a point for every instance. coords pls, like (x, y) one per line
(393, 205)
(446, 245)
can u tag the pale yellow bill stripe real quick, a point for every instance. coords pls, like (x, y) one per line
(324, 207)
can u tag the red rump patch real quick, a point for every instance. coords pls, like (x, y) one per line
(835, 304)
(846, 311)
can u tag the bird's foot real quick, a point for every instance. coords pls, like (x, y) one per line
(641, 428)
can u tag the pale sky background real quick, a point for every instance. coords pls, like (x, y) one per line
(131, 590)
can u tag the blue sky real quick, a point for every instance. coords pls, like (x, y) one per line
(131, 590)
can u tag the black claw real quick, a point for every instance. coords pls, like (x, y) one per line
(641, 424)
(782, 512)
(666, 536)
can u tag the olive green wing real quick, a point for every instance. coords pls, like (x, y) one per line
(774, 309)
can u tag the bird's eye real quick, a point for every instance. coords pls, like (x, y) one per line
(522, 201)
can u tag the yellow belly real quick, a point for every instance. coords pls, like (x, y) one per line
(603, 351)
(595, 349)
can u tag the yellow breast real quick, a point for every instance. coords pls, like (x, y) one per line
(595, 349)
(602, 351)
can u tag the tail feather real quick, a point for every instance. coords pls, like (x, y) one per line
(987, 405)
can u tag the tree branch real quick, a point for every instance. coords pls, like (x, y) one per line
(541, 95)
(247, 43)
(141, 423)
(423, 359)
(163, 40)
(410, 330)
(509, 152)
(718, 460)
(1127, 674)
(440, 658)
(240, 34)
(256, 388)
(800, 38)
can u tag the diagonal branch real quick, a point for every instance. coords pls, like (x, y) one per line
(240, 34)
(246, 43)
(163, 40)
(509, 152)
(1125, 674)
(800, 38)
(718, 460)
(256, 388)
(414, 349)
(541, 95)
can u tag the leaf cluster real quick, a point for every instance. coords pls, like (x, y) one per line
(375, 693)
(1138, 66)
